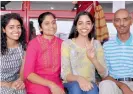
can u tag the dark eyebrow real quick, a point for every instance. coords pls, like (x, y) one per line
(126, 17)
(82, 21)
(11, 25)
(88, 21)
(14, 25)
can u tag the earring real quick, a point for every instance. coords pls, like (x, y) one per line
(41, 32)
(76, 30)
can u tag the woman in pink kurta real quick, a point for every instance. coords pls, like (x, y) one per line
(43, 59)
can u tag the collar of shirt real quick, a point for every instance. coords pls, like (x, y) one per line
(128, 42)
(47, 40)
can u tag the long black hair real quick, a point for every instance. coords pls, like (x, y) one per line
(5, 19)
(74, 33)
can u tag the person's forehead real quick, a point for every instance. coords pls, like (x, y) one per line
(121, 14)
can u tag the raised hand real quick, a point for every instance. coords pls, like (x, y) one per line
(90, 50)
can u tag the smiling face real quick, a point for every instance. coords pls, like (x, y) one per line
(122, 22)
(48, 26)
(13, 30)
(84, 25)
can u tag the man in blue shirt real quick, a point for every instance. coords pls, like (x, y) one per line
(119, 57)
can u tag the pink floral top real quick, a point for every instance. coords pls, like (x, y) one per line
(43, 57)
